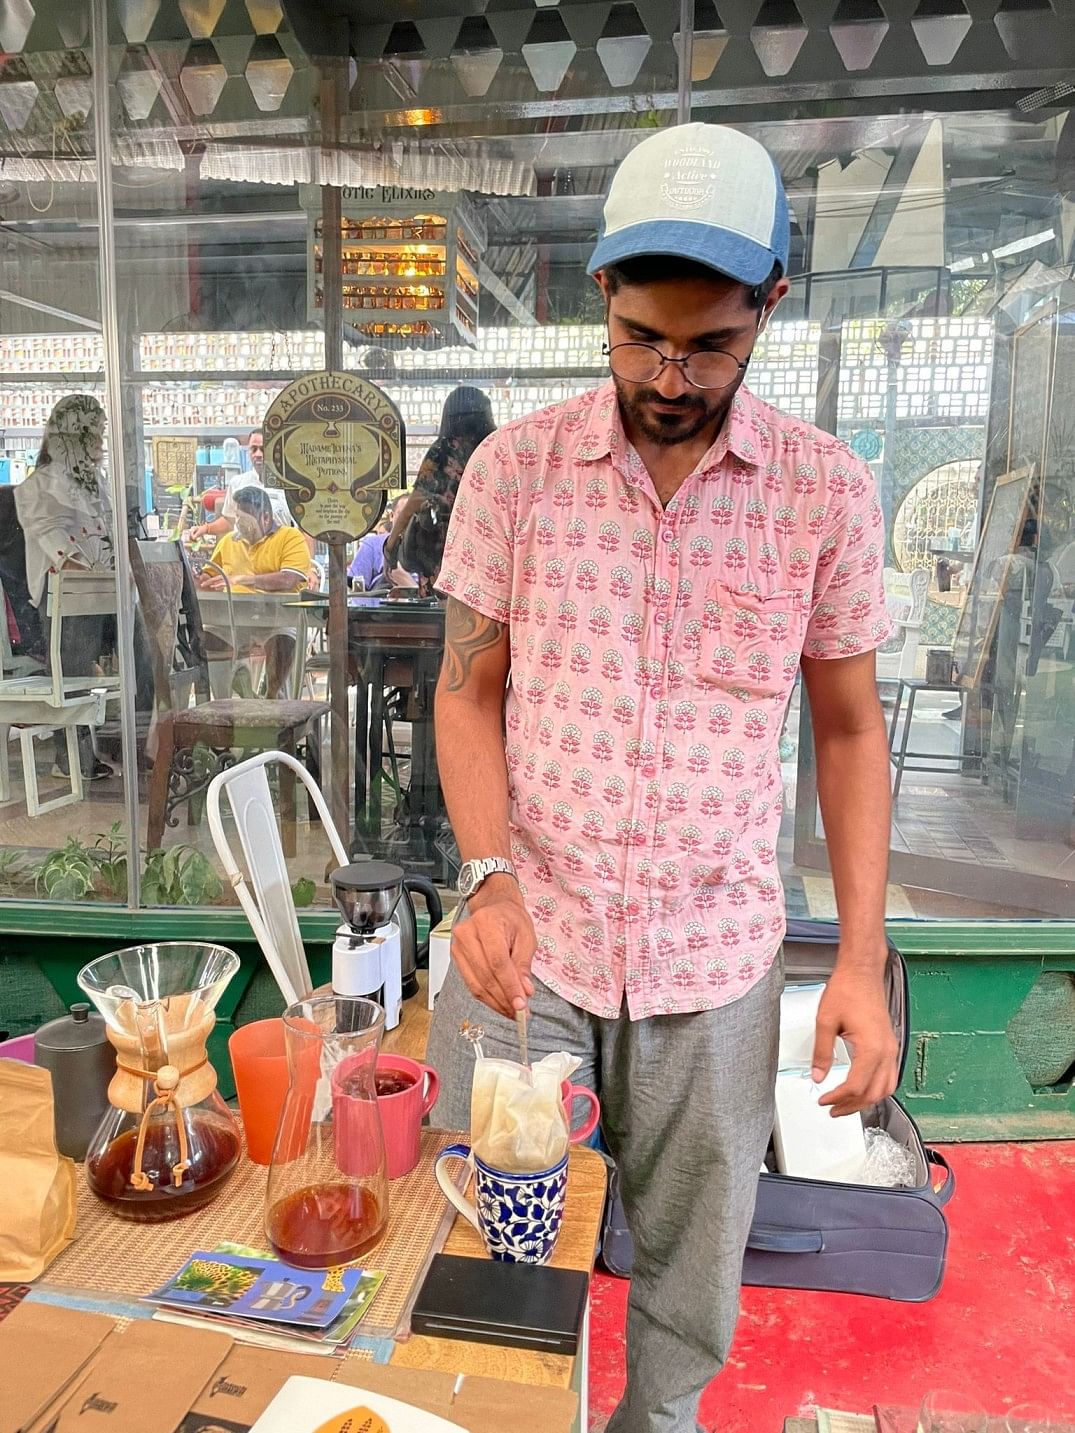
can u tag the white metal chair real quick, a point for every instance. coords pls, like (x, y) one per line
(264, 889)
(905, 597)
(36, 706)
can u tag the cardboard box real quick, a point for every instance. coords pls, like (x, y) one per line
(809, 1142)
(798, 1027)
(162, 1378)
(440, 955)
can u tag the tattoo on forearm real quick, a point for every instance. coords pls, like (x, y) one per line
(466, 635)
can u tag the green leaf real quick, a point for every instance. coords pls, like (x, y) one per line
(198, 882)
(303, 891)
(170, 866)
(64, 883)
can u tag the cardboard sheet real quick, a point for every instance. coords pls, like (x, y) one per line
(482, 1405)
(42, 1349)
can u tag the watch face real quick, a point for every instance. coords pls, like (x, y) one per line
(468, 880)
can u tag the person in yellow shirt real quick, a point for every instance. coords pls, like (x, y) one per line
(261, 555)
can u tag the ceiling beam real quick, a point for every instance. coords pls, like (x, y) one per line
(888, 197)
(504, 296)
(77, 318)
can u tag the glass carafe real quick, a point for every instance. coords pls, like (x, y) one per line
(169, 1142)
(326, 1202)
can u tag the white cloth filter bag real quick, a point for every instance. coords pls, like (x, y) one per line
(517, 1119)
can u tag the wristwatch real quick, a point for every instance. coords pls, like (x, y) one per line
(473, 873)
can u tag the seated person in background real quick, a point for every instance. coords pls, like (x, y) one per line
(368, 561)
(262, 555)
(223, 520)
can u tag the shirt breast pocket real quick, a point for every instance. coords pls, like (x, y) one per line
(751, 642)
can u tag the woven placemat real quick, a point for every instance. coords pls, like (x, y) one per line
(118, 1257)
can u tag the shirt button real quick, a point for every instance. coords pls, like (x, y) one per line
(649, 770)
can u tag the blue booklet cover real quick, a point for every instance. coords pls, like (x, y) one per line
(259, 1288)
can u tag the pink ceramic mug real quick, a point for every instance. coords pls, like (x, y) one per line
(570, 1094)
(402, 1112)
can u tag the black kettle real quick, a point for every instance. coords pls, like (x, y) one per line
(411, 954)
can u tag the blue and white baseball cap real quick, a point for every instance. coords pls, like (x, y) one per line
(701, 192)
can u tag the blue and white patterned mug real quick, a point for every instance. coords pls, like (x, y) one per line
(517, 1215)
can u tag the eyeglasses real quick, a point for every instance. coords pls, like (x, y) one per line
(642, 363)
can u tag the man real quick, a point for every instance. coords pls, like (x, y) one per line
(254, 476)
(261, 555)
(642, 568)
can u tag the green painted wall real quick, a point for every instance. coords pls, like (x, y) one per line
(993, 1028)
(43, 947)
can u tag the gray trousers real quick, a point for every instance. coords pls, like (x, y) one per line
(687, 1112)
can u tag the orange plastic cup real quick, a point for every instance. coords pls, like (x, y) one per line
(259, 1063)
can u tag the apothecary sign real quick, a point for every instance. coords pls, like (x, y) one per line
(334, 443)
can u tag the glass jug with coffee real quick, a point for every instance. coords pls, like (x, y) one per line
(326, 1201)
(168, 1143)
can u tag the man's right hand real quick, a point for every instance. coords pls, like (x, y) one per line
(494, 947)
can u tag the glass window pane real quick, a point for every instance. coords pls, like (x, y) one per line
(63, 830)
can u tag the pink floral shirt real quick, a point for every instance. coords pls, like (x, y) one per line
(653, 652)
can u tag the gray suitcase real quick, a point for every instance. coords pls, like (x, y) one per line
(842, 1238)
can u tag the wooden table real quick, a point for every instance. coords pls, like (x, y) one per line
(575, 1249)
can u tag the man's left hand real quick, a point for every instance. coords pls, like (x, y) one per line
(854, 1008)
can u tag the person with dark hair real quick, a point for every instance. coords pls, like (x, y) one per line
(634, 577)
(223, 520)
(261, 555)
(420, 525)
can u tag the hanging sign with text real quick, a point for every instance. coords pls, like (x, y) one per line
(334, 443)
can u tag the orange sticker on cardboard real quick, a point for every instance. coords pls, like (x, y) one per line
(355, 1420)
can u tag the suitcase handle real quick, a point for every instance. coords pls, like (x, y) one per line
(948, 1188)
(771, 1239)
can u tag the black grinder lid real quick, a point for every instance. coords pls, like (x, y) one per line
(367, 876)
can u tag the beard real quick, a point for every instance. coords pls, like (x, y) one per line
(680, 421)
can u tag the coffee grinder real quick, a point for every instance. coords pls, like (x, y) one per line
(366, 954)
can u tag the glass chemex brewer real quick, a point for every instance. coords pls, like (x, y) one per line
(168, 1144)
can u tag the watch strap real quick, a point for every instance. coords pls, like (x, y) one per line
(485, 867)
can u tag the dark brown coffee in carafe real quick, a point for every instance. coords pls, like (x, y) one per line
(324, 1225)
(214, 1148)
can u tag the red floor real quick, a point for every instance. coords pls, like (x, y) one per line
(1003, 1325)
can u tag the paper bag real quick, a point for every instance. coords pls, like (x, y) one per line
(517, 1118)
(37, 1212)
